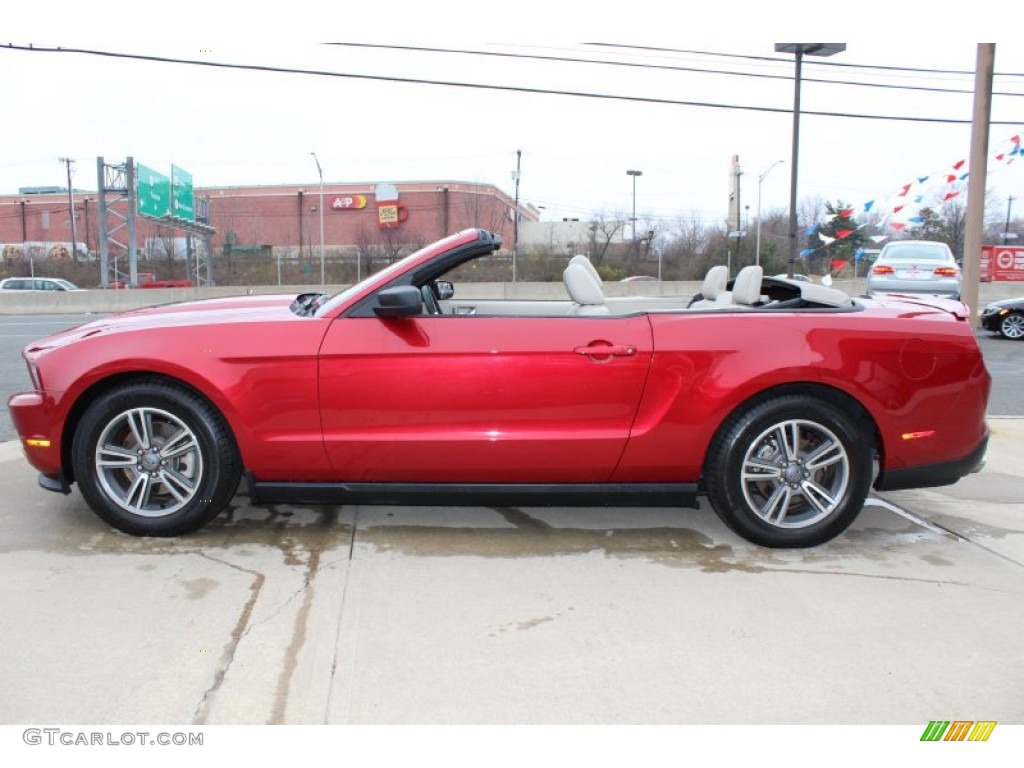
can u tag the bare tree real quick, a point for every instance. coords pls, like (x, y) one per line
(685, 249)
(603, 232)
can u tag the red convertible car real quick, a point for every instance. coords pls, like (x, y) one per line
(784, 403)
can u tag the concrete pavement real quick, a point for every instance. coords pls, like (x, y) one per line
(363, 615)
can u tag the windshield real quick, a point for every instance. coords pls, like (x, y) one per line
(384, 275)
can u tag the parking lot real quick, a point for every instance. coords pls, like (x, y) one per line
(394, 615)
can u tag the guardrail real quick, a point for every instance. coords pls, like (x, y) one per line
(101, 301)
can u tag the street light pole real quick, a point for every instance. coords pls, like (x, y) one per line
(760, 179)
(321, 172)
(1006, 229)
(71, 209)
(801, 50)
(632, 232)
(515, 220)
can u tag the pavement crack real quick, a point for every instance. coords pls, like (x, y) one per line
(202, 711)
(291, 654)
(341, 618)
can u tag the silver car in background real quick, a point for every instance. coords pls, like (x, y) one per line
(917, 267)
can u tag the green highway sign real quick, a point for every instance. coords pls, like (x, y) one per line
(181, 185)
(154, 192)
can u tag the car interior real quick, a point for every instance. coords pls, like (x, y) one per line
(749, 290)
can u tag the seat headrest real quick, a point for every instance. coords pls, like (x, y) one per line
(579, 258)
(581, 286)
(747, 287)
(715, 282)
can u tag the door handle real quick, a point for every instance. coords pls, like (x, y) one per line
(605, 349)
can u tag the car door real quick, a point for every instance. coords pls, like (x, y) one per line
(462, 399)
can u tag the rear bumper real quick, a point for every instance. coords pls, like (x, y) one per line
(934, 475)
(886, 286)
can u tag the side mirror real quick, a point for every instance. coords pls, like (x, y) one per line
(400, 301)
(445, 290)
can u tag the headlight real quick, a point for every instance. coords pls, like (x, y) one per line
(33, 374)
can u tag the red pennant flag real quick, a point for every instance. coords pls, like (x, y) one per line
(957, 166)
(844, 233)
(838, 265)
(897, 225)
(950, 196)
(846, 214)
(897, 209)
(950, 179)
(905, 190)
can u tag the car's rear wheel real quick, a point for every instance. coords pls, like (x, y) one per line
(1012, 326)
(792, 471)
(153, 459)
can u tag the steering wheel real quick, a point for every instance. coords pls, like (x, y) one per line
(430, 301)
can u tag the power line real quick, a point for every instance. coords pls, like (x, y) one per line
(839, 64)
(699, 70)
(491, 87)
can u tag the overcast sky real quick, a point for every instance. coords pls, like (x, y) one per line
(677, 115)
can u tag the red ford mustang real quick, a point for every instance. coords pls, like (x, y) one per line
(784, 403)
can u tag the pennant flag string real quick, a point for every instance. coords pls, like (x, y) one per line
(903, 215)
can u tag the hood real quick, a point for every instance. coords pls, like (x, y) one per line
(204, 312)
(1013, 303)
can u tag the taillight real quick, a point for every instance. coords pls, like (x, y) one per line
(946, 271)
(882, 270)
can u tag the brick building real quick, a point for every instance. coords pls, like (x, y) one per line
(283, 219)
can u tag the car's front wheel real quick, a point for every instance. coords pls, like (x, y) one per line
(792, 471)
(154, 459)
(1012, 326)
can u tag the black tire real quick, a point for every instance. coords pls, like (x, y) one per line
(1012, 326)
(153, 459)
(816, 465)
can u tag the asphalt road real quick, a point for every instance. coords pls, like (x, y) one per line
(1005, 361)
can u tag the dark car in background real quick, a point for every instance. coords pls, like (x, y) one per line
(1005, 317)
(921, 267)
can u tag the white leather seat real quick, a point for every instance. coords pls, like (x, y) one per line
(579, 258)
(584, 290)
(714, 285)
(746, 289)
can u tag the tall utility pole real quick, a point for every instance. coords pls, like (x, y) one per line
(978, 163)
(800, 50)
(321, 172)
(1006, 229)
(71, 208)
(739, 225)
(515, 217)
(634, 174)
(760, 180)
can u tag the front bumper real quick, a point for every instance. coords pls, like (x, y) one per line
(990, 319)
(38, 426)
